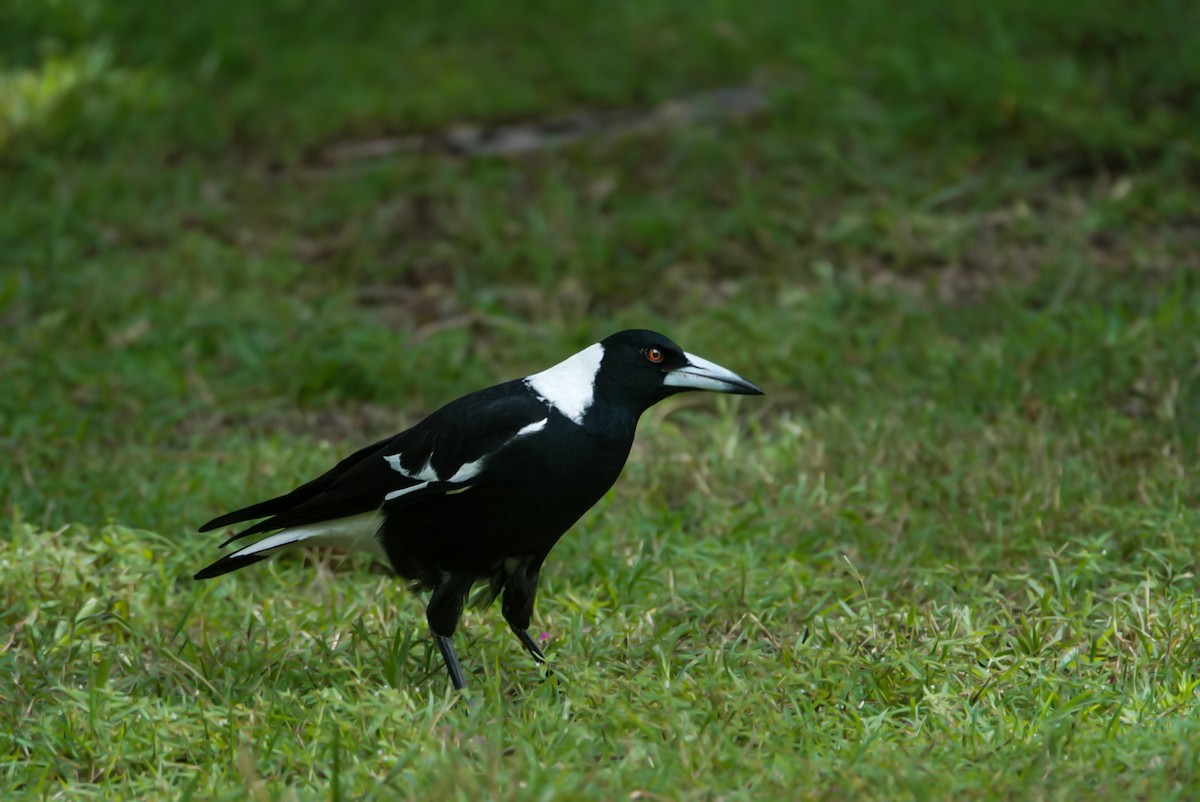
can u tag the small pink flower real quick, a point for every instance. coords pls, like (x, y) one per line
(543, 636)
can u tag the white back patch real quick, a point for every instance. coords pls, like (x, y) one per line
(570, 385)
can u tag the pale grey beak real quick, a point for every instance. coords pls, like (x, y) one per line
(700, 374)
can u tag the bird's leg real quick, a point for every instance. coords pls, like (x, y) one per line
(443, 612)
(520, 590)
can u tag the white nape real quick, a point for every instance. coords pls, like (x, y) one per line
(570, 385)
(354, 533)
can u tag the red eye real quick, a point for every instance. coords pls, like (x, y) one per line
(655, 355)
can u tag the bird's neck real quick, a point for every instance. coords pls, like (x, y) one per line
(612, 421)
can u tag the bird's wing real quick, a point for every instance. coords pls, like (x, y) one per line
(301, 494)
(446, 452)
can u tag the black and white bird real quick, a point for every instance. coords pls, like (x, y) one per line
(482, 489)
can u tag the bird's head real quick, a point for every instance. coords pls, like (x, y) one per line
(648, 366)
(614, 381)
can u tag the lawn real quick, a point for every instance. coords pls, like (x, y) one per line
(950, 555)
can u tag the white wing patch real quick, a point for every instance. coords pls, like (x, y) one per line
(426, 474)
(570, 385)
(405, 491)
(532, 428)
(468, 471)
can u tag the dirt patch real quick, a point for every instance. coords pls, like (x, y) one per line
(467, 139)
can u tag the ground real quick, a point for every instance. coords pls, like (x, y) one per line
(950, 555)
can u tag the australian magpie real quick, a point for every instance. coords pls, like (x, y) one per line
(483, 488)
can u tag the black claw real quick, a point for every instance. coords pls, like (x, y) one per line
(446, 646)
(530, 645)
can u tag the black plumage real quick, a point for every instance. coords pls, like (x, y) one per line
(483, 488)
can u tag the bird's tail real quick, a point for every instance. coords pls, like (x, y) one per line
(230, 562)
(249, 555)
(354, 533)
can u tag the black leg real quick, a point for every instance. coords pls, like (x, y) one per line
(443, 613)
(520, 590)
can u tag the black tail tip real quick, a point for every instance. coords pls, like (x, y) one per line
(228, 563)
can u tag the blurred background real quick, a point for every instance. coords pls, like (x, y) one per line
(956, 242)
(283, 219)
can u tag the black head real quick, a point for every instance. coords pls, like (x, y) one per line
(648, 366)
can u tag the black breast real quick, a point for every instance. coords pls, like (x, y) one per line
(530, 494)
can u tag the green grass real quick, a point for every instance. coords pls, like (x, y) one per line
(950, 555)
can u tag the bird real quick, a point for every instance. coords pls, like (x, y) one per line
(480, 491)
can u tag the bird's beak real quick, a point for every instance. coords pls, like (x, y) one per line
(700, 374)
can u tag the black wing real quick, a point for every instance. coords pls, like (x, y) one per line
(424, 460)
(301, 494)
